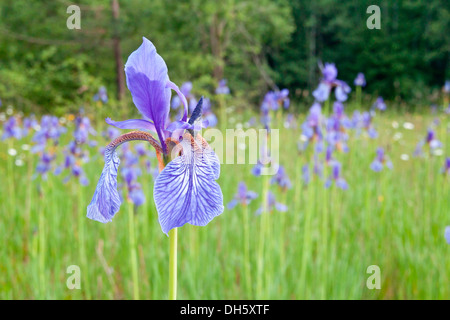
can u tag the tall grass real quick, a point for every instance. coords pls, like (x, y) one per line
(319, 249)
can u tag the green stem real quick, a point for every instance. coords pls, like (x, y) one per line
(133, 255)
(42, 250)
(82, 241)
(247, 252)
(358, 96)
(262, 236)
(173, 236)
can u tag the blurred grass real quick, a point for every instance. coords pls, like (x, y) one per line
(319, 249)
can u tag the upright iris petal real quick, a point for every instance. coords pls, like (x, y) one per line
(147, 79)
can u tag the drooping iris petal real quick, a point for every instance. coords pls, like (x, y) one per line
(106, 200)
(186, 190)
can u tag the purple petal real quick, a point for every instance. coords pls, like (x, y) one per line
(186, 190)
(151, 97)
(106, 200)
(232, 204)
(173, 86)
(147, 61)
(132, 124)
(376, 165)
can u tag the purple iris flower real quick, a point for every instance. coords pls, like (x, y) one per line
(243, 196)
(274, 99)
(311, 128)
(11, 129)
(186, 190)
(49, 130)
(45, 164)
(360, 80)
(322, 92)
(336, 128)
(342, 90)
(379, 104)
(75, 153)
(283, 98)
(29, 123)
(328, 82)
(430, 140)
(380, 161)
(336, 176)
(282, 179)
(329, 72)
(101, 95)
(368, 125)
(272, 204)
(222, 88)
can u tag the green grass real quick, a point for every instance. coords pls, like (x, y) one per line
(319, 249)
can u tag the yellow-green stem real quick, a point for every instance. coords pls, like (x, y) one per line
(133, 257)
(173, 236)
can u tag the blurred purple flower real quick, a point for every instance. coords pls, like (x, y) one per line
(222, 87)
(360, 80)
(243, 196)
(272, 204)
(380, 161)
(101, 95)
(11, 129)
(281, 179)
(336, 176)
(379, 104)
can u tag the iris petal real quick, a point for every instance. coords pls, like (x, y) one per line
(133, 124)
(106, 200)
(146, 60)
(186, 190)
(151, 97)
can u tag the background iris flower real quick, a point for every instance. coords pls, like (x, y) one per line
(243, 196)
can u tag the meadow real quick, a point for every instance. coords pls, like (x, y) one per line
(313, 242)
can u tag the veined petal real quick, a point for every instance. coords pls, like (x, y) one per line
(106, 200)
(133, 124)
(186, 190)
